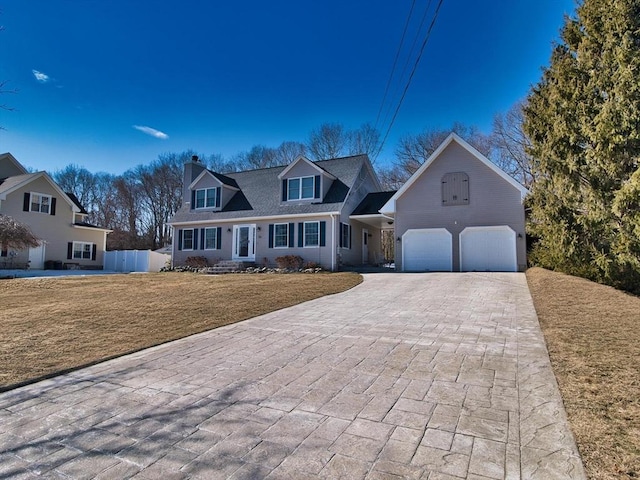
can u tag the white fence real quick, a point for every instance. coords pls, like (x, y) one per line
(135, 261)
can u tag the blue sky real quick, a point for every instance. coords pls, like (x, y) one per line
(220, 77)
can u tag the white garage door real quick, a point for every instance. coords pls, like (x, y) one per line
(427, 249)
(488, 249)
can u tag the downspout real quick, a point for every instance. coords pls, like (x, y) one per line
(333, 242)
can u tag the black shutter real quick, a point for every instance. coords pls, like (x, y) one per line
(323, 233)
(219, 238)
(53, 206)
(193, 199)
(271, 235)
(195, 238)
(350, 232)
(69, 250)
(292, 227)
(284, 190)
(316, 193)
(180, 239)
(218, 196)
(341, 228)
(94, 251)
(300, 234)
(27, 200)
(202, 239)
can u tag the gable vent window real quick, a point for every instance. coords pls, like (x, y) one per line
(455, 189)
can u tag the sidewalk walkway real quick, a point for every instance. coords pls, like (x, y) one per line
(438, 376)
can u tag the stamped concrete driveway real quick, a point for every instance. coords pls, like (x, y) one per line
(425, 376)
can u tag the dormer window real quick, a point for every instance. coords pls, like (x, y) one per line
(301, 188)
(207, 198)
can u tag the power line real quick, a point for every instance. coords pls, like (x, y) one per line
(413, 71)
(395, 62)
(406, 63)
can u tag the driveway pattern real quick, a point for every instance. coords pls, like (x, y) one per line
(416, 376)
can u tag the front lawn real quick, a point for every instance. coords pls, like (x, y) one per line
(593, 335)
(52, 324)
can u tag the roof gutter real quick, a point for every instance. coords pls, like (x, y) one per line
(253, 219)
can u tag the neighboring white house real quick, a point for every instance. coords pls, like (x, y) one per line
(55, 217)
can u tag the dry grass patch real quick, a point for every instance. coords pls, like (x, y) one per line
(53, 324)
(593, 335)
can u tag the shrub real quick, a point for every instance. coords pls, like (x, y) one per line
(293, 262)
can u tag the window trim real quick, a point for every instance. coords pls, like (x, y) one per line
(185, 230)
(41, 195)
(215, 239)
(300, 188)
(304, 234)
(82, 250)
(345, 242)
(206, 197)
(275, 235)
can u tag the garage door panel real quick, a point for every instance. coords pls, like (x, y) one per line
(428, 249)
(488, 249)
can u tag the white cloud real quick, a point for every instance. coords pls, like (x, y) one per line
(151, 131)
(41, 77)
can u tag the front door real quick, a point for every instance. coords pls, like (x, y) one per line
(244, 240)
(365, 246)
(36, 257)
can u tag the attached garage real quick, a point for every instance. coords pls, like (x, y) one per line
(427, 249)
(488, 249)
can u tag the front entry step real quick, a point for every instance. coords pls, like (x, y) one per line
(230, 266)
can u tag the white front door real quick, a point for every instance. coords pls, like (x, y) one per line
(244, 242)
(365, 246)
(36, 257)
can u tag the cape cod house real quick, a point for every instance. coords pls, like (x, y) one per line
(457, 212)
(55, 217)
(256, 216)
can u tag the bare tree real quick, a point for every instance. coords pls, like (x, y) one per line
(16, 235)
(365, 139)
(511, 143)
(287, 152)
(414, 150)
(327, 141)
(260, 156)
(217, 163)
(81, 182)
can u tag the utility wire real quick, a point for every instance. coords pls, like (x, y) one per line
(413, 71)
(406, 63)
(395, 62)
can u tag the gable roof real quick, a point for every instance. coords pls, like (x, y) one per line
(7, 157)
(261, 190)
(223, 179)
(12, 184)
(390, 206)
(302, 158)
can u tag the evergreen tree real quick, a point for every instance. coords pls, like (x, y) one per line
(583, 120)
